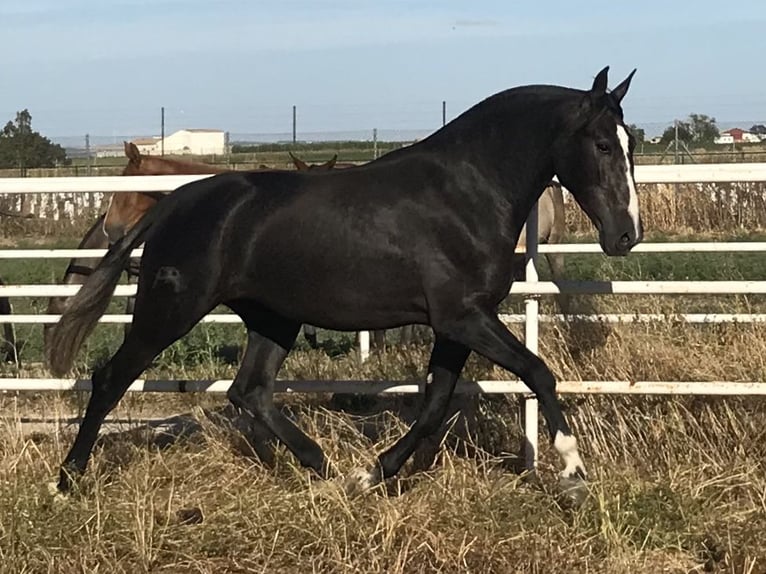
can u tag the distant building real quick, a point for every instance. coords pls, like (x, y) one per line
(182, 142)
(737, 135)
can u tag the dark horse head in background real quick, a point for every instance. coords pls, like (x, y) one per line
(423, 235)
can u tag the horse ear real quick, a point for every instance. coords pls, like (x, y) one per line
(131, 152)
(299, 163)
(600, 82)
(620, 91)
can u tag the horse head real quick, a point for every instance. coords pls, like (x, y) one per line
(301, 165)
(593, 159)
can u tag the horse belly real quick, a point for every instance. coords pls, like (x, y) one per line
(341, 285)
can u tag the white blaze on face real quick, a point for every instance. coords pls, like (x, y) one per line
(622, 137)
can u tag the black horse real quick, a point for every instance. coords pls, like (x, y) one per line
(423, 235)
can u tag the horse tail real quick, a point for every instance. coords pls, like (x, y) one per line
(88, 305)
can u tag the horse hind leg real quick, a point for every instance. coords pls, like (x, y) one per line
(158, 322)
(379, 339)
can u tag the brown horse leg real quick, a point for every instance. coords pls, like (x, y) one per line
(310, 334)
(379, 339)
(9, 351)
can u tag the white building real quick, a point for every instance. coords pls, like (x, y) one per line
(188, 141)
(737, 135)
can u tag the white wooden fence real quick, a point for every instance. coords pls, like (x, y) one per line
(531, 287)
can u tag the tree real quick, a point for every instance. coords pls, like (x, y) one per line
(759, 129)
(24, 148)
(698, 129)
(703, 128)
(638, 133)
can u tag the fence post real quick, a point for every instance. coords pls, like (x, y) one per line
(87, 152)
(295, 124)
(364, 345)
(364, 336)
(532, 308)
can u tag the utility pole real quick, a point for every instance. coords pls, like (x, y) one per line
(374, 143)
(87, 153)
(162, 131)
(444, 112)
(294, 124)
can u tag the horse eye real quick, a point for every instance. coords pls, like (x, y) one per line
(602, 147)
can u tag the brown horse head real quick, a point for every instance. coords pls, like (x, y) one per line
(127, 209)
(301, 165)
(134, 159)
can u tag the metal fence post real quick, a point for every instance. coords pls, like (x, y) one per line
(532, 308)
(364, 345)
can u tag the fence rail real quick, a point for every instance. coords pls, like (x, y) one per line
(531, 287)
(711, 388)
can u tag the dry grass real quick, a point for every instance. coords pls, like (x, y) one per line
(693, 209)
(677, 486)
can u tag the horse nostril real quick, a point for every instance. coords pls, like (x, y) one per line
(625, 240)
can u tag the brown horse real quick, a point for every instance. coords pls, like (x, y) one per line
(127, 209)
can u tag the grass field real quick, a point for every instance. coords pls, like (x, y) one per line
(677, 485)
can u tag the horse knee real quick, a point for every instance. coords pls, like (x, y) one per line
(543, 379)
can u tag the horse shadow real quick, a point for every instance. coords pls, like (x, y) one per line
(467, 432)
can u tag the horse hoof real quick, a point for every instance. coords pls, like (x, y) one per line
(58, 497)
(573, 491)
(361, 480)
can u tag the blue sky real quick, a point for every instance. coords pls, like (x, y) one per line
(105, 67)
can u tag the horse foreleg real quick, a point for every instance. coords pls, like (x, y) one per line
(269, 340)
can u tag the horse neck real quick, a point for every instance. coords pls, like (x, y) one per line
(160, 166)
(508, 139)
